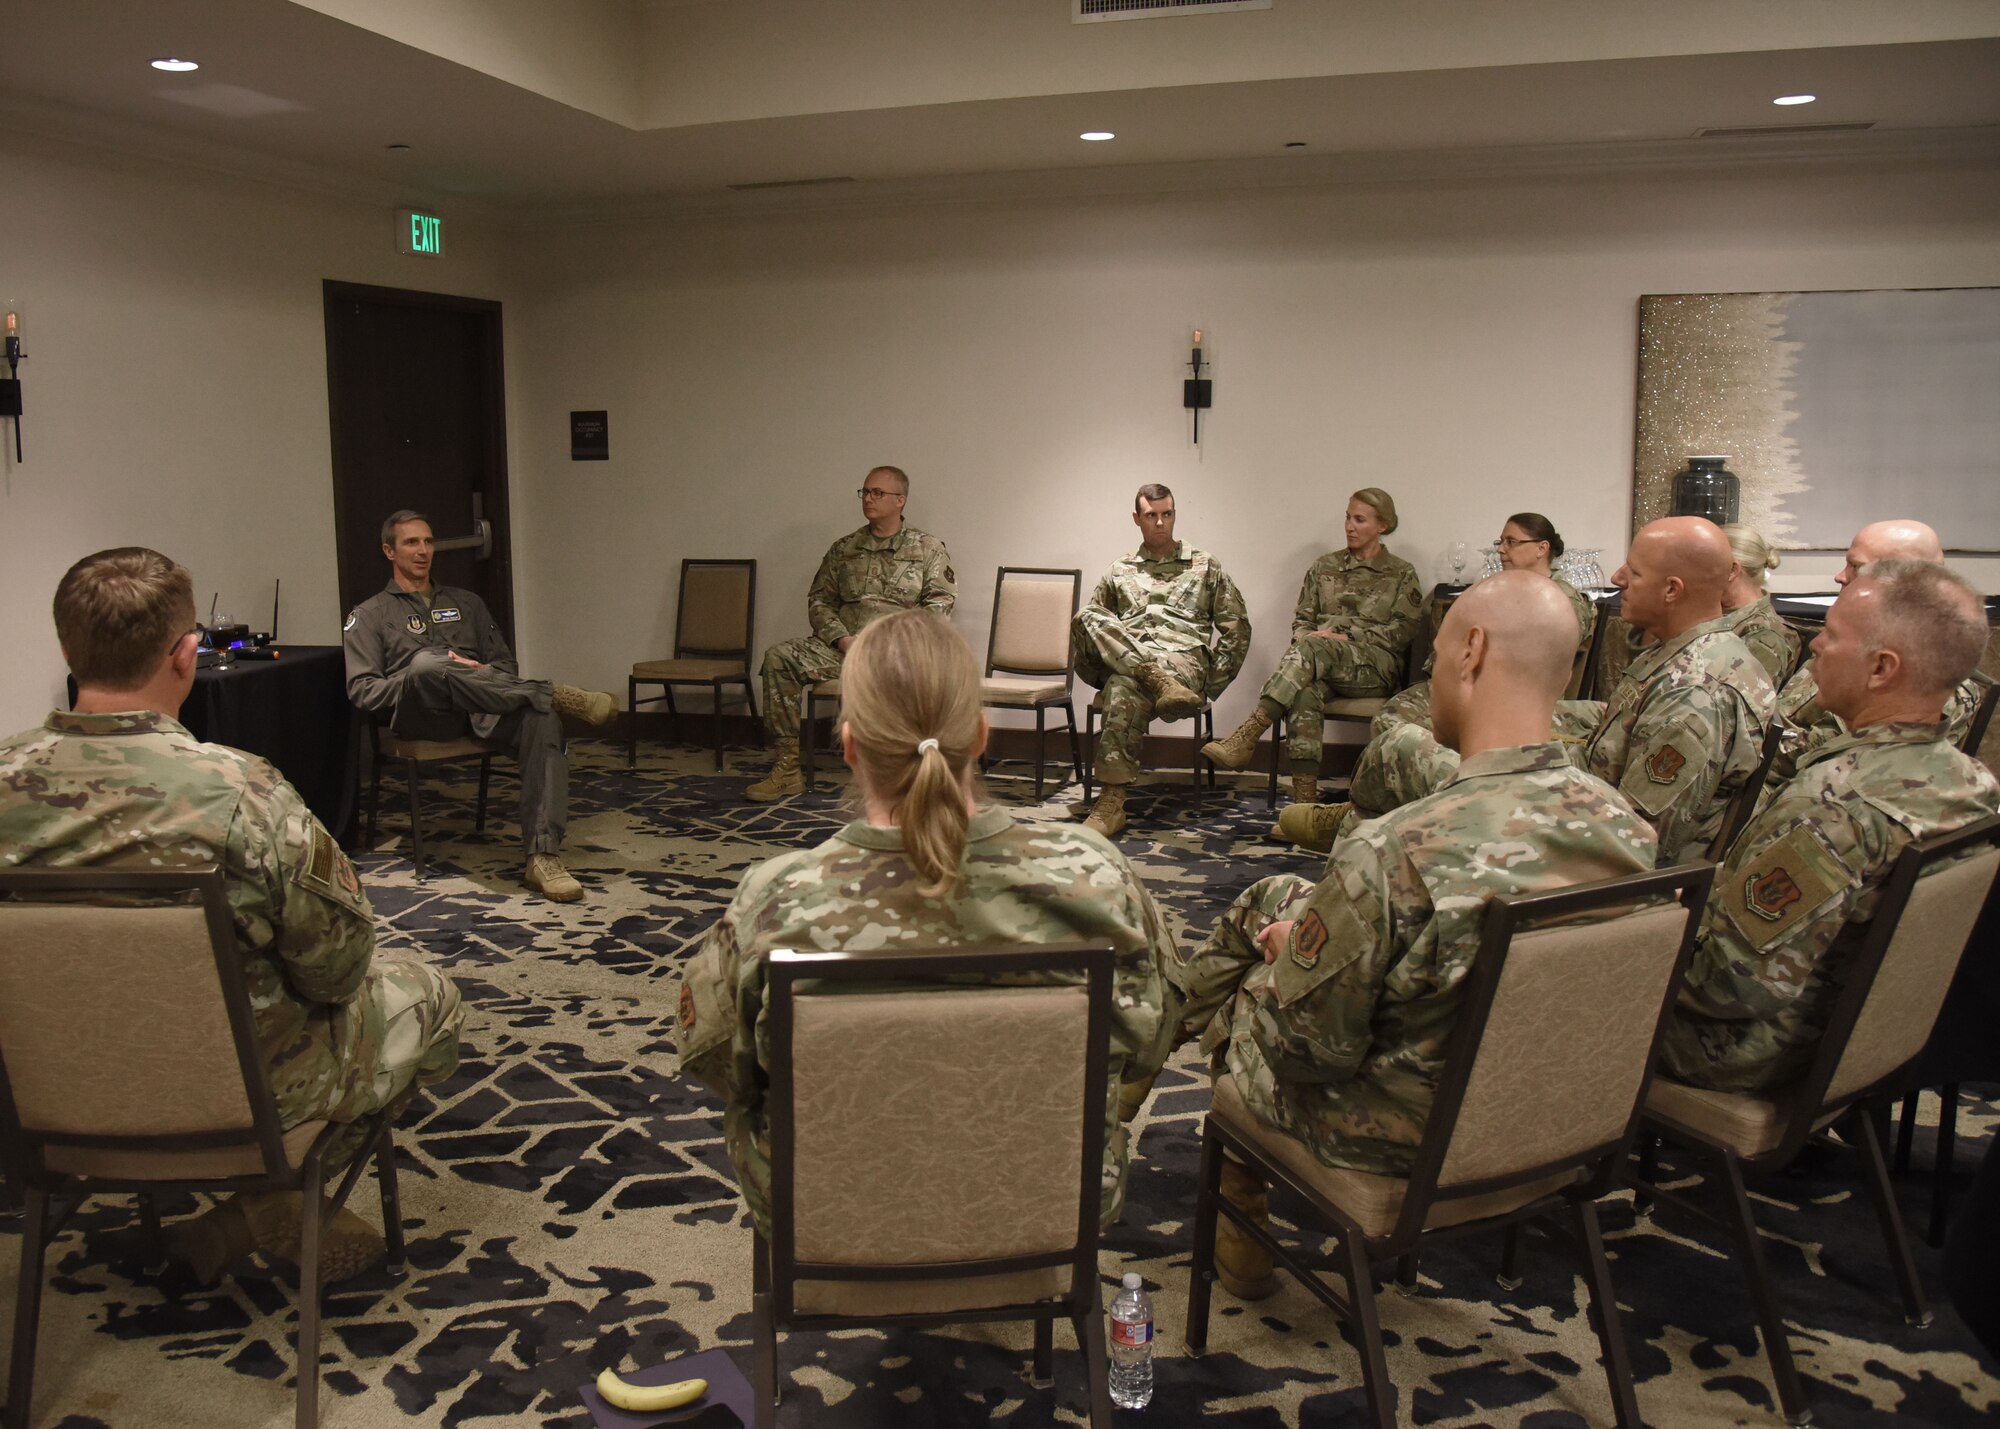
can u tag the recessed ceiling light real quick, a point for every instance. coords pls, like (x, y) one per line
(1096, 136)
(1795, 99)
(175, 66)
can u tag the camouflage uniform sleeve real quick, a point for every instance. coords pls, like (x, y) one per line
(491, 645)
(1139, 1027)
(1105, 595)
(324, 928)
(1789, 887)
(1232, 633)
(1317, 1022)
(1305, 615)
(714, 1047)
(1673, 764)
(823, 599)
(369, 686)
(940, 581)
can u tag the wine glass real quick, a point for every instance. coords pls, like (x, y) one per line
(1458, 553)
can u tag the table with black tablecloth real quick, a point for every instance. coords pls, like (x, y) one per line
(293, 711)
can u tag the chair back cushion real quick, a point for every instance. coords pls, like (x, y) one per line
(159, 1057)
(715, 609)
(937, 1126)
(1566, 1046)
(1031, 623)
(1916, 971)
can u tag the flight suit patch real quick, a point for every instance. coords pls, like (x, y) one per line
(415, 625)
(447, 614)
(352, 616)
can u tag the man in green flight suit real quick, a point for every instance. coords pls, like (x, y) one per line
(1165, 631)
(886, 565)
(344, 1029)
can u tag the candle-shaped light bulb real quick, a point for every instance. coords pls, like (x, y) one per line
(10, 327)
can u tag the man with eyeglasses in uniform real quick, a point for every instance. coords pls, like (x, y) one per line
(884, 567)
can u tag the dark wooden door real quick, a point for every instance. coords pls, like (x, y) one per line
(418, 419)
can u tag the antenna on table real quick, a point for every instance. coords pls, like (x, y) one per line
(212, 602)
(276, 586)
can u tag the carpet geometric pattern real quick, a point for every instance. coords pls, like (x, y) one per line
(569, 1205)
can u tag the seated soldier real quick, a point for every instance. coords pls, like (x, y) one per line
(1144, 639)
(433, 660)
(1752, 616)
(1357, 610)
(927, 865)
(886, 565)
(1804, 723)
(344, 1030)
(1681, 732)
(1798, 888)
(1334, 1026)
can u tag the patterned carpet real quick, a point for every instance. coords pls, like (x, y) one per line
(570, 1206)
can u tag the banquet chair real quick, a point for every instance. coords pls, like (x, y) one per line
(715, 627)
(1547, 1063)
(414, 755)
(161, 1089)
(1743, 803)
(1027, 652)
(1200, 731)
(1891, 987)
(936, 1150)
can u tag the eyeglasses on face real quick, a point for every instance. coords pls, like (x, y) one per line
(880, 493)
(1508, 543)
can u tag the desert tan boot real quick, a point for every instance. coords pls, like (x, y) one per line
(1311, 826)
(1171, 699)
(1132, 1096)
(1107, 815)
(1242, 1265)
(590, 706)
(270, 1221)
(547, 876)
(785, 778)
(1236, 751)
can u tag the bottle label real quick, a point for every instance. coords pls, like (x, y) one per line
(1132, 1334)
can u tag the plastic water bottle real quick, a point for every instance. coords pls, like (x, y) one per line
(1132, 1345)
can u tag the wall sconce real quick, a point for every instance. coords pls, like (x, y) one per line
(10, 385)
(1197, 390)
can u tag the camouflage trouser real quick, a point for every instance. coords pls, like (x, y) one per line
(437, 699)
(789, 666)
(1315, 669)
(411, 1017)
(1398, 767)
(1407, 706)
(1106, 654)
(1203, 983)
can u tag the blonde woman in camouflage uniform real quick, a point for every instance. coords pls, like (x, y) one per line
(1328, 1008)
(1358, 610)
(1755, 620)
(1165, 632)
(344, 1029)
(924, 866)
(1798, 890)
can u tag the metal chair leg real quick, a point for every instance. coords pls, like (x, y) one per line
(1041, 747)
(392, 1201)
(27, 1306)
(149, 1220)
(763, 1335)
(1043, 1374)
(716, 708)
(631, 723)
(807, 760)
(416, 814)
(1604, 1305)
(1742, 1222)
(1368, 1334)
(1509, 1277)
(1075, 746)
(1097, 1364)
(1277, 753)
(1860, 1129)
(1090, 750)
(1941, 1159)
(479, 809)
(1906, 1129)
(311, 1223)
(1201, 1275)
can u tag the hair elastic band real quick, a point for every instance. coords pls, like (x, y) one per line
(924, 746)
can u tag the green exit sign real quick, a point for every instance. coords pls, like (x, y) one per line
(419, 233)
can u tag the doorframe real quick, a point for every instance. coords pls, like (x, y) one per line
(493, 379)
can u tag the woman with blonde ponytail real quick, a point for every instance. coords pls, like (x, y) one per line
(1749, 610)
(927, 865)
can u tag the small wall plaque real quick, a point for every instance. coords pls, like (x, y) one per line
(590, 436)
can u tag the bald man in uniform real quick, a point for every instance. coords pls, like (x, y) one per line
(1679, 735)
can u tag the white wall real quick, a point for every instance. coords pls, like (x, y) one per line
(1468, 346)
(176, 384)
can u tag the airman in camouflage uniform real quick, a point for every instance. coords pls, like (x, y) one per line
(885, 566)
(1144, 640)
(1767, 636)
(1357, 611)
(1022, 884)
(1801, 884)
(1803, 725)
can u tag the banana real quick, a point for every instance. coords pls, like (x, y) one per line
(648, 1398)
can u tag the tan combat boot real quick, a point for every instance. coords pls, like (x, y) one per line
(1311, 826)
(1171, 699)
(785, 778)
(547, 876)
(591, 706)
(1132, 1096)
(269, 1221)
(1244, 1267)
(1305, 788)
(1235, 752)
(1107, 815)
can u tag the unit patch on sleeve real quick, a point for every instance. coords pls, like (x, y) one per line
(1666, 764)
(1782, 886)
(1308, 938)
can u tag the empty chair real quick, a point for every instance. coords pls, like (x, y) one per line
(1027, 652)
(715, 627)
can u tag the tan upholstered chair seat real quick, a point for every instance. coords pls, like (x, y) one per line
(928, 1297)
(1020, 690)
(687, 669)
(1357, 707)
(209, 1165)
(1747, 1125)
(394, 746)
(1373, 1202)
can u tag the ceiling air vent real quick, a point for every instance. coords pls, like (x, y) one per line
(793, 183)
(1757, 130)
(1084, 12)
